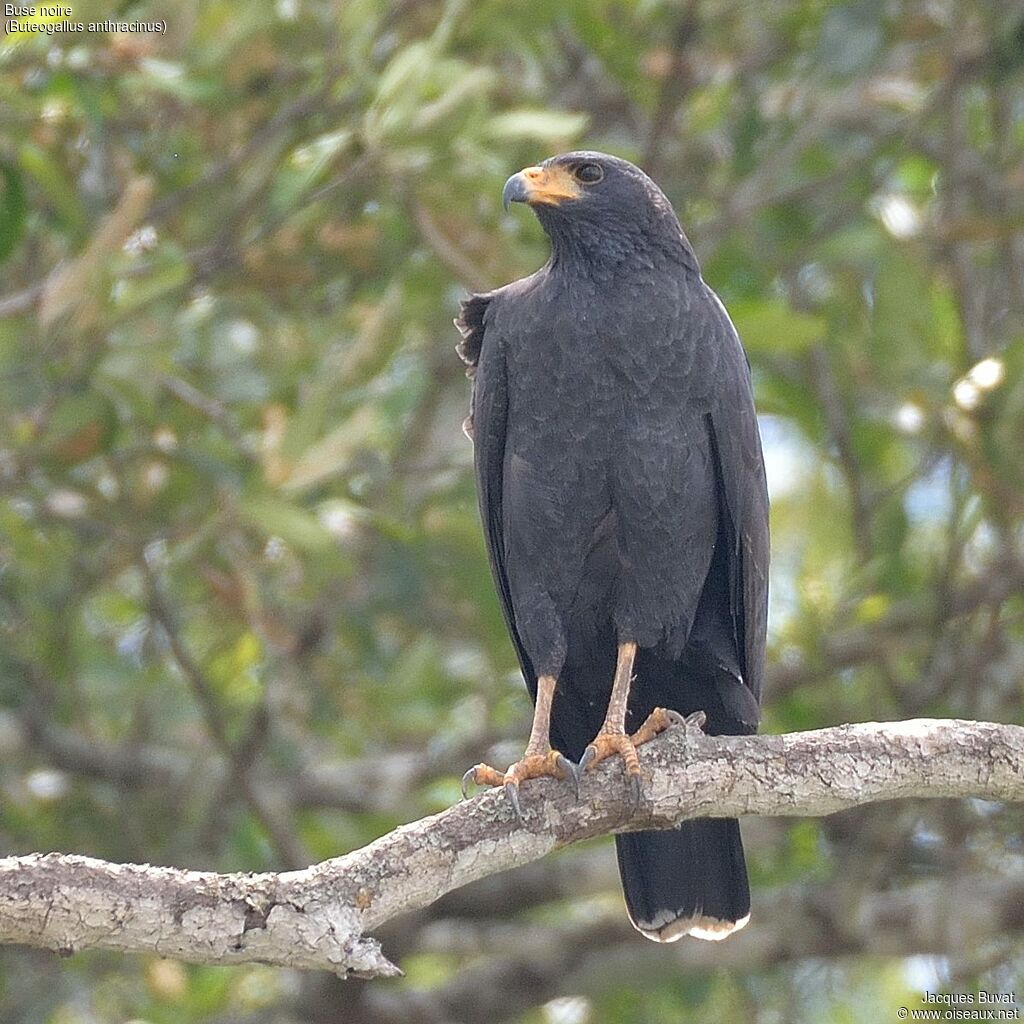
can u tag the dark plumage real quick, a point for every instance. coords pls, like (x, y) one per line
(623, 498)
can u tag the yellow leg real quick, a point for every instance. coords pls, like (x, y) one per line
(613, 739)
(538, 761)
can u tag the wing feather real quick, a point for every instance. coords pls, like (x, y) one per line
(489, 419)
(737, 447)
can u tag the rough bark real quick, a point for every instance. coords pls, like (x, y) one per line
(321, 917)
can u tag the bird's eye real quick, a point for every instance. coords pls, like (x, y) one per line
(589, 174)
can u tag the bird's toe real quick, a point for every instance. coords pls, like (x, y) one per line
(512, 795)
(661, 719)
(551, 764)
(605, 745)
(481, 775)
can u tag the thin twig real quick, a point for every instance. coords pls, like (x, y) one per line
(281, 832)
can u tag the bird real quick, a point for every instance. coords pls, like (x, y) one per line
(622, 492)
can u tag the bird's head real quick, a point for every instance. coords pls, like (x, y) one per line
(598, 206)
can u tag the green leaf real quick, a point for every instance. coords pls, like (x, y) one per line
(332, 453)
(133, 292)
(468, 83)
(12, 209)
(305, 166)
(293, 525)
(407, 70)
(59, 189)
(80, 427)
(545, 125)
(771, 326)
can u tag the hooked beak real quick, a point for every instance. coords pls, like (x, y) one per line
(515, 191)
(549, 185)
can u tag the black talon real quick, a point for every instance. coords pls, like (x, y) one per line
(696, 720)
(512, 792)
(569, 768)
(466, 779)
(676, 718)
(589, 755)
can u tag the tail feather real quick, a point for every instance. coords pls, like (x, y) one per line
(691, 880)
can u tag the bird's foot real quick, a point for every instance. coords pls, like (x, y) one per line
(661, 719)
(551, 764)
(607, 742)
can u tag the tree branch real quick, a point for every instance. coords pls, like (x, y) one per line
(843, 646)
(319, 917)
(531, 962)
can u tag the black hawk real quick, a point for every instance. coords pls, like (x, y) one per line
(622, 491)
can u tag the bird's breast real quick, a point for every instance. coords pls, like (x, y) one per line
(581, 370)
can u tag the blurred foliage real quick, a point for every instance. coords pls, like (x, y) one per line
(245, 614)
